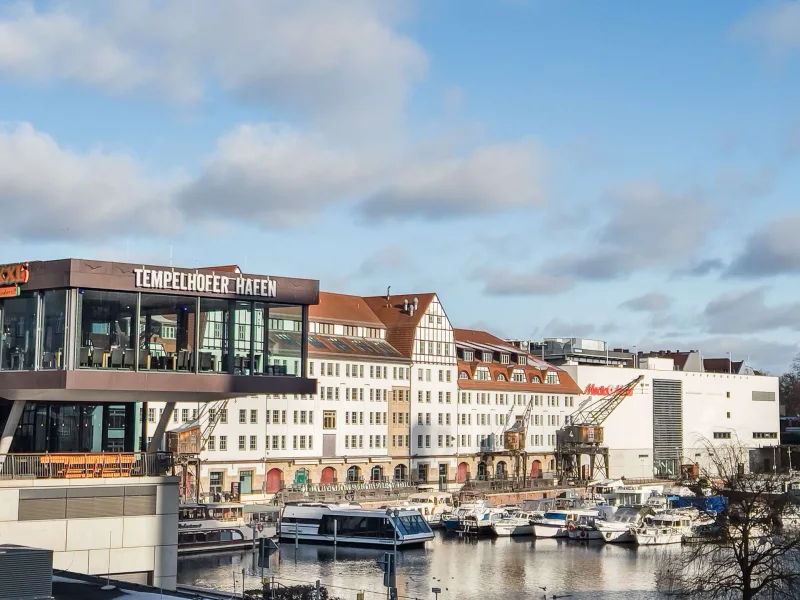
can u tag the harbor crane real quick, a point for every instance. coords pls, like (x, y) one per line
(514, 441)
(582, 434)
(187, 441)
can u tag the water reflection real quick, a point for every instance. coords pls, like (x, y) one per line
(464, 569)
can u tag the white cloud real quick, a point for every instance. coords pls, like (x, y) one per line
(650, 302)
(491, 178)
(748, 312)
(774, 25)
(343, 63)
(772, 249)
(51, 193)
(274, 176)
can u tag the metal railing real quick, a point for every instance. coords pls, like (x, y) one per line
(75, 465)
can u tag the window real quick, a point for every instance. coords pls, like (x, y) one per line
(441, 440)
(212, 443)
(427, 441)
(552, 377)
(184, 415)
(723, 435)
(242, 416)
(253, 442)
(253, 416)
(325, 328)
(419, 441)
(420, 374)
(447, 375)
(329, 419)
(223, 443)
(350, 331)
(504, 358)
(223, 415)
(151, 415)
(242, 442)
(763, 435)
(441, 419)
(469, 355)
(427, 374)
(463, 375)
(428, 397)
(441, 397)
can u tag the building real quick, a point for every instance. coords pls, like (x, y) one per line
(348, 429)
(87, 348)
(497, 382)
(674, 415)
(562, 351)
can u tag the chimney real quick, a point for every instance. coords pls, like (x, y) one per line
(388, 293)
(416, 303)
(405, 305)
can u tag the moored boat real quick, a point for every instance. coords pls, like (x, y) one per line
(353, 525)
(555, 523)
(517, 524)
(452, 521)
(213, 527)
(619, 529)
(584, 529)
(663, 528)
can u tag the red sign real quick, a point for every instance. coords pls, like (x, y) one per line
(604, 390)
(15, 274)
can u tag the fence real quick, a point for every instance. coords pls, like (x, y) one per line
(71, 465)
(347, 491)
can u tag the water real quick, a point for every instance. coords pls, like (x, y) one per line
(508, 568)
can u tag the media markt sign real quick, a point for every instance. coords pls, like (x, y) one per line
(604, 390)
(11, 277)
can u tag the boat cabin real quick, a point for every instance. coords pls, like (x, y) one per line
(222, 512)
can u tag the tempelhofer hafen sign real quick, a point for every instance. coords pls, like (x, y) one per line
(208, 283)
(604, 390)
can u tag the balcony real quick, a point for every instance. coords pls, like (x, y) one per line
(72, 465)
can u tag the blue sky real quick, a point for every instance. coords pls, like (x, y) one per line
(620, 170)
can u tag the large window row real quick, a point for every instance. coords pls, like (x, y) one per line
(151, 332)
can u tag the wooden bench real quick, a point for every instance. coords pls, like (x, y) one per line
(73, 466)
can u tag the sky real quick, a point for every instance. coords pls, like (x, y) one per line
(625, 171)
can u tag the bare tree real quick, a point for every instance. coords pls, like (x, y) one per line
(752, 552)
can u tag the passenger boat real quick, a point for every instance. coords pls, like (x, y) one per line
(452, 521)
(555, 523)
(663, 528)
(353, 525)
(519, 523)
(619, 530)
(584, 529)
(431, 505)
(213, 527)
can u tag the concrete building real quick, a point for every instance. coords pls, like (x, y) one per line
(673, 414)
(85, 345)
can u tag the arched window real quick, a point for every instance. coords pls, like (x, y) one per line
(501, 377)
(535, 379)
(463, 375)
(301, 476)
(400, 473)
(376, 474)
(354, 474)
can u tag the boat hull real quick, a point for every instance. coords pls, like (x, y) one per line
(512, 530)
(618, 537)
(542, 530)
(584, 535)
(657, 538)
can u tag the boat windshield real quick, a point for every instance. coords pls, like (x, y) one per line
(412, 525)
(555, 516)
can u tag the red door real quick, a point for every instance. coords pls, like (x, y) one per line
(328, 475)
(274, 477)
(463, 470)
(536, 469)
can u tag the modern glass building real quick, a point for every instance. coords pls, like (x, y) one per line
(85, 346)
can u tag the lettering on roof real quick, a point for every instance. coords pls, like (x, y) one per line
(208, 283)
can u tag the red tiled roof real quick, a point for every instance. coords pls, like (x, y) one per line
(721, 365)
(566, 384)
(343, 308)
(483, 337)
(679, 358)
(400, 325)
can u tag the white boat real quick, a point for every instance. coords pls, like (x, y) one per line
(213, 527)
(555, 523)
(452, 521)
(520, 523)
(619, 529)
(353, 525)
(480, 523)
(431, 505)
(584, 529)
(663, 528)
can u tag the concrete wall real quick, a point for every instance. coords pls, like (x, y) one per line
(100, 545)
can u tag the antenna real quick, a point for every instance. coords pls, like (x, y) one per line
(388, 293)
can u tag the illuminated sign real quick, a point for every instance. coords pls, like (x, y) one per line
(15, 274)
(604, 390)
(9, 291)
(168, 279)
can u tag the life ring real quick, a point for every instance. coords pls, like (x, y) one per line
(260, 527)
(571, 526)
(583, 534)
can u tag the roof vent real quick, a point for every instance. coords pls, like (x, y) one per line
(25, 573)
(405, 305)
(416, 303)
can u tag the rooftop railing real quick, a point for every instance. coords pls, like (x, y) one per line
(73, 465)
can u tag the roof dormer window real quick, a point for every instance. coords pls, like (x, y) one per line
(552, 377)
(501, 377)
(463, 375)
(535, 379)
(487, 357)
(522, 359)
(518, 376)
(482, 374)
(469, 355)
(504, 358)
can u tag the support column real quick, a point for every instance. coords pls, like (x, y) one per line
(11, 426)
(158, 434)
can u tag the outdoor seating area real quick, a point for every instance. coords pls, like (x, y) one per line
(78, 465)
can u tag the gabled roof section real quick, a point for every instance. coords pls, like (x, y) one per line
(400, 324)
(224, 268)
(343, 308)
(331, 346)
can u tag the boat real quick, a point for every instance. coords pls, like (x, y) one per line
(212, 527)
(619, 529)
(517, 524)
(555, 523)
(584, 529)
(480, 523)
(663, 528)
(452, 521)
(431, 505)
(353, 525)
